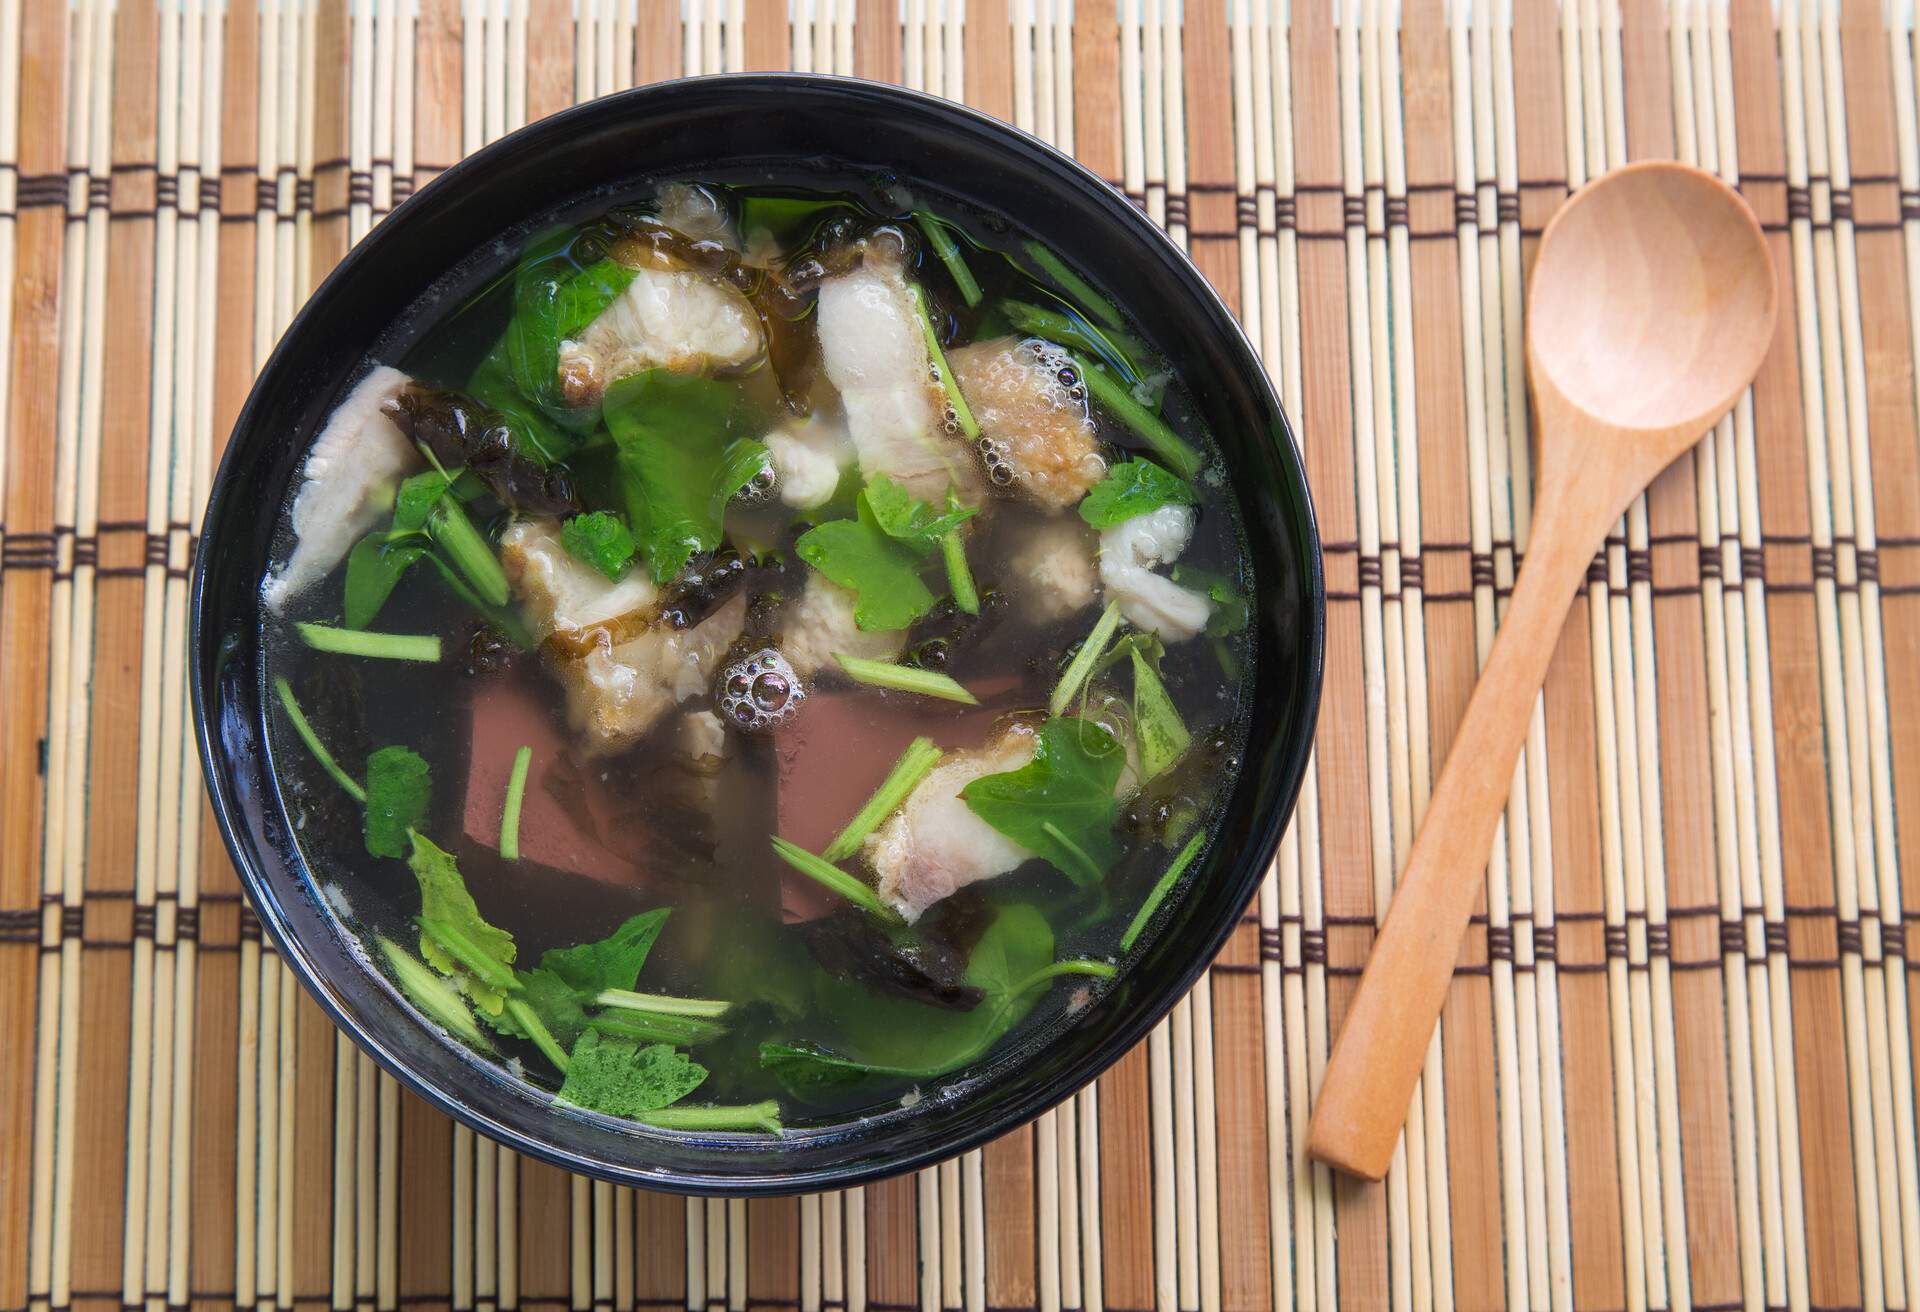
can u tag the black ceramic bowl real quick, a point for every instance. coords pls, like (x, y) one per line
(587, 155)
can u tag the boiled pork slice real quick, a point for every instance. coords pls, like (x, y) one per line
(875, 353)
(934, 845)
(666, 319)
(348, 484)
(622, 665)
(808, 456)
(1053, 574)
(1036, 435)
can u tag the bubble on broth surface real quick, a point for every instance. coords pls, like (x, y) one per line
(759, 691)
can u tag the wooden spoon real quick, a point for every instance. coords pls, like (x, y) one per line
(1652, 304)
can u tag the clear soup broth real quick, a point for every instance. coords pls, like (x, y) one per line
(758, 651)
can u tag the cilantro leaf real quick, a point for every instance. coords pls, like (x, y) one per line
(1162, 735)
(906, 1039)
(374, 568)
(1134, 487)
(417, 497)
(612, 963)
(553, 1003)
(1060, 804)
(859, 554)
(910, 520)
(599, 539)
(624, 1079)
(554, 298)
(454, 938)
(399, 788)
(1231, 609)
(534, 435)
(678, 460)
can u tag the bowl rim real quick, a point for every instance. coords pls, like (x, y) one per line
(1137, 1020)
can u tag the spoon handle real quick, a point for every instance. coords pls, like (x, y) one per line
(1369, 1081)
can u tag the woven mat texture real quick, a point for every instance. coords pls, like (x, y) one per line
(1677, 1065)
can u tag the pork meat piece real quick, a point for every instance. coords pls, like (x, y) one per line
(1032, 427)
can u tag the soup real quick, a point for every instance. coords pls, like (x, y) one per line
(759, 654)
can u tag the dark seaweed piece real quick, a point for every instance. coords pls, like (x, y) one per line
(928, 964)
(703, 586)
(946, 630)
(462, 432)
(489, 651)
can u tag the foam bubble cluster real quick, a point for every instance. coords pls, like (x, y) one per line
(759, 691)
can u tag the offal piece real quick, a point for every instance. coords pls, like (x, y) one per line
(666, 318)
(822, 622)
(935, 845)
(875, 354)
(350, 475)
(1129, 551)
(1035, 433)
(1053, 574)
(622, 665)
(808, 456)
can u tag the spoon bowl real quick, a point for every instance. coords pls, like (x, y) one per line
(1652, 305)
(1651, 302)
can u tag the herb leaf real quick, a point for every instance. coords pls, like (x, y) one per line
(612, 963)
(859, 554)
(374, 568)
(1134, 487)
(1163, 737)
(554, 298)
(430, 993)
(1060, 804)
(534, 435)
(908, 519)
(599, 539)
(458, 930)
(553, 1004)
(624, 1079)
(1011, 966)
(678, 463)
(399, 788)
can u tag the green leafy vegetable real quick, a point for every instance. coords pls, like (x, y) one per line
(347, 782)
(1081, 667)
(653, 1027)
(679, 464)
(663, 1004)
(882, 572)
(429, 992)
(1117, 399)
(959, 577)
(510, 811)
(471, 553)
(554, 298)
(762, 1116)
(1134, 487)
(1160, 891)
(399, 788)
(534, 435)
(1230, 607)
(1162, 735)
(1071, 330)
(614, 962)
(907, 519)
(600, 540)
(786, 219)
(908, 771)
(962, 412)
(1011, 965)
(622, 1078)
(544, 1009)
(375, 567)
(358, 642)
(831, 876)
(455, 938)
(1077, 288)
(1060, 804)
(948, 250)
(905, 678)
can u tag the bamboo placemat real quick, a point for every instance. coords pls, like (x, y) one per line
(1676, 1070)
